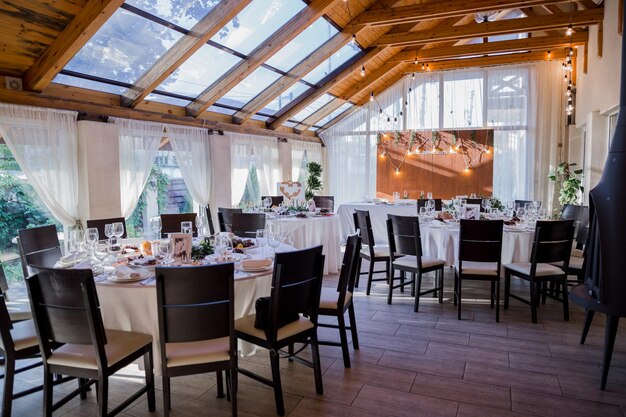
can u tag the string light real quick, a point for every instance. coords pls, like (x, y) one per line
(397, 170)
(372, 96)
(571, 51)
(353, 41)
(423, 66)
(569, 31)
(363, 70)
(549, 55)
(412, 76)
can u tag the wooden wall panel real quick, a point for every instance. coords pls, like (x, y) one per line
(443, 175)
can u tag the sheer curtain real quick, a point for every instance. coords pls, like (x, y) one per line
(139, 143)
(44, 143)
(313, 152)
(193, 154)
(263, 151)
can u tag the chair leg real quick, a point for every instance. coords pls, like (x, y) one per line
(440, 284)
(83, 391)
(493, 290)
(388, 270)
(418, 289)
(612, 322)
(103, 396)
(317, 365)
(358, 272)
(233, 391)
(507, 288)
(290, 349)
(456, 286)
(402, 277)
(587, 326)
(390, 289)
(533, 300)
(565, 299)
(148, 364)
(278, 389)
(497, 297)
(412, 284)
(370, 275)
(9, 379)
(220, 385)
(167, 398)
(355, 335)
(544, 291)
(458, 291)
(344, 340)
(47, 394)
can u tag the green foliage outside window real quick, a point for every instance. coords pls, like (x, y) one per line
(313, 182)
(157, 181)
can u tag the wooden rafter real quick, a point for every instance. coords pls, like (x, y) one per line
(382, 87)
(327, 109)
(259, 55)
(517, 45)
(84, 25)
(184, 48)
(338, 119)
(504, 27)
(440, 9)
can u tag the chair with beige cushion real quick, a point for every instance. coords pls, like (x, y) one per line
(405, 249)
(480, 254)
(196, 325)
(371, 252)
(67, 318)
(336, 301)
(552, 243)
(38, 246)
(291, 316)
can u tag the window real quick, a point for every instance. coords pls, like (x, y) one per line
(252, 190)
(165, 193)
(249, 87)
(423, 107)
(184, 13)
(463, 100)
(20, 208)
(286, 97)
(313, 107)
(331, 64)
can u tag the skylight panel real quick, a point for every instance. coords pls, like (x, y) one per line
(160, 98)
(183, 13)
(89, 84)
(218, 109)
(286, 97)
(201, 70)
(257, 22)
(249, 87)
(302, 45)
(124, 48)
(313, 107)
(331, 64)
(344, 107)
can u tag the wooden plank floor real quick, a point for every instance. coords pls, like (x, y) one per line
(414, 364)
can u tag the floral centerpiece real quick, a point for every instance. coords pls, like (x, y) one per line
(201, 250)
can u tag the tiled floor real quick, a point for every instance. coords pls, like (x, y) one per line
(415, 364)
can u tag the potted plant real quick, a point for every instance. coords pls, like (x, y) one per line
(569, 183)
(313, 181)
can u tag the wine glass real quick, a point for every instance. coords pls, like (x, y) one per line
(114, 247)
(166, 250)
(118, 229)
(108, 230)
(186, 227)
(261, 240)
(429, 195)
(100, 253)
(200, 222)
(486, 203)
(91, 238)
(430, 205)
(273, 241)
(75, 242)
(156, 226)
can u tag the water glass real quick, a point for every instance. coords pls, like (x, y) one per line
(429, 195)
(166, 250)
(91, 238)
(118, 229)
(261, 240)
(75, 242)
(200, 223)
(430, 205)
(156, 226)
(186, 227)
(396, 196)
(422, 211)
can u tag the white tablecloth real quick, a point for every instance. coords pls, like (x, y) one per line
(313, 231)
(378, 217)
(133, 307)
(443, 242)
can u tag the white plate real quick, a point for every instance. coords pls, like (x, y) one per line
(267, 268)
(235, 257)
(142, 271)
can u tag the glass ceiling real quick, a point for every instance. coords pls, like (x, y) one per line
(141, 31)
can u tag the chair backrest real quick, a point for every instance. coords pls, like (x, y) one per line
(480, 240)
(276, 199)
(65, 309)
(296, 286)
(521, 203)
(552, 242)
(4, 285)
(572, 212)
(324, 202)
(195, 303)
(365, 226)
(225, 218)
(421, 202)
(402, 235)
(246, 224)
(45, 258)
(170, 223)
(209, 217)
(478, 201)
(6, 340)
(348, 273)
(100, 223)
(35, 240)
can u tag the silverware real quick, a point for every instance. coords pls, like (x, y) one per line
(147, 281)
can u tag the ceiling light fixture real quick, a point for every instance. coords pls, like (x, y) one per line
(372, 96)
(363, 70)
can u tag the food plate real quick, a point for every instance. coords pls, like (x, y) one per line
(256, 265)
(240, 268)
(234, 257)
(130, 274)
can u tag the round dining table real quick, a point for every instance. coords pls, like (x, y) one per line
(132, 306)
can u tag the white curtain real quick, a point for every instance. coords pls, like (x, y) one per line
(313, 152)
(260, 150)
(139, 143)
(193, 154)
(44, 143)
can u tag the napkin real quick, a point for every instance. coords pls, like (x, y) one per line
(127, 273)
(70, 260)
(255, 263)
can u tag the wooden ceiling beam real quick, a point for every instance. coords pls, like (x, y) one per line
(184, 48)
(259, 55)
(369, 80)
(338, 119)
(503, 27)
(438, 10)
(330, 81)
(315, 117)
(587, 4)
(517, 45)
(75, 35)
(382, 87)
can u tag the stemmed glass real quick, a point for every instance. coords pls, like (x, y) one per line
(273, 241)
(100, 254)
(166, 250)
(261, 240)
(75, 242)
(108, 230)
(91, 238)
(486, 203)
(118, 229)
(156, 226)
(267, 203)
(430, 205)
(200, 222)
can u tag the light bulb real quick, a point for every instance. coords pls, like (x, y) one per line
(423, 66)
(372, 96)
(363, 71)
(388, 119)
(382, 155)
(380, 111)
(571, 51)
(413, 76)
(569, 31)
(427, 67)
(397, 170)
(467, 170)
(549, 55)
(488, 151)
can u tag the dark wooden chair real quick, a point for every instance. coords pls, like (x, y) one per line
(326, 202)
(405, 250)
(521, 203)
(67, 314)
(276, 199)
(100, 223)
(421, 202)
(296, 287)
(18, 341)
(170, 223)
(552, 243)
(335, 302)
(480, 254)
(225, 218)
(38, 246)
(371, 252)
(246, 224)
(209, 217)
(17, 310)
(478, 201)
(196, 325)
